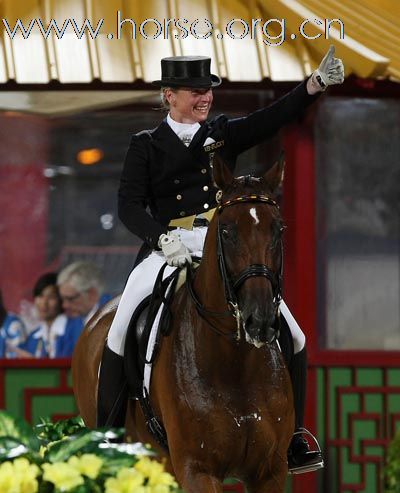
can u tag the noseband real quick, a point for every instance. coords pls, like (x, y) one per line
(254, 270)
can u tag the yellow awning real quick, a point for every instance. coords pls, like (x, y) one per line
(369, 47)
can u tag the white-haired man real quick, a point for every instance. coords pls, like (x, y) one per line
(81, 287)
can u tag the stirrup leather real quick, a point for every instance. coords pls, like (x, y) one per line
(309, 467)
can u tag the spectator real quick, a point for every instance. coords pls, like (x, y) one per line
(53, 338)
(12, 332)
(81, 286)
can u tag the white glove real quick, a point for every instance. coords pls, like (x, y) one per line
(330, 72)
(174, 250)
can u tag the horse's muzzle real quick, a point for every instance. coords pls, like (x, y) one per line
(259, 327)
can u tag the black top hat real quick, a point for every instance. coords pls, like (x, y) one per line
(187, 71)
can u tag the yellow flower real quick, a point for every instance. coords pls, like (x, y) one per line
(25, 475)
(23, 466)
(159, 488)
(87, 464)
(18, 476)
(155, 473)
(128, 480)
(7, 478)
(62, 475)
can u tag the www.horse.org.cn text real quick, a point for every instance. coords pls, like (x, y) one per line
(273, 32)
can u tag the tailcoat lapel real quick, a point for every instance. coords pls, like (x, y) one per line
(200, 136)
(166, 139)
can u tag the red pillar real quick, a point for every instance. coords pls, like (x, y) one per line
(23, 204)
(300, 259)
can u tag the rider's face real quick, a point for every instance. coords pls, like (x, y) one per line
(189, 105)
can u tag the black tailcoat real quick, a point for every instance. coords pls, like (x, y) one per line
(172, 180)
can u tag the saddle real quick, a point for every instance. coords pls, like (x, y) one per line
(140, 327)
(138, 339)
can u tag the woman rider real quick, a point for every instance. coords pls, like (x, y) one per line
(167, 170)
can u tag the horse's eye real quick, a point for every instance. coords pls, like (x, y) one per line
(276, 238)
(228, 232)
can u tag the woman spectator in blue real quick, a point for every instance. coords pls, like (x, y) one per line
(12, 332)
(52, 339)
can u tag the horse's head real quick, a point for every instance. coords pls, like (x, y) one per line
(249, 231)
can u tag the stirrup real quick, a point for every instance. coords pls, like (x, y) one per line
(308, 467)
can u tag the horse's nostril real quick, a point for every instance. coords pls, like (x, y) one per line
(270, 335)
(249, 321)
(254, 322)
(260, 326)
(256, 319)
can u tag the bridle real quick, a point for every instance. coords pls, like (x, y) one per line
(254, 270)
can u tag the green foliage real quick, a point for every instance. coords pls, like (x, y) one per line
(18, 429)
(83, 442)
(392, 470)
(48, 432)
(11, 447)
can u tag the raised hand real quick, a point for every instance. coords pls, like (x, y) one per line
(331, 69)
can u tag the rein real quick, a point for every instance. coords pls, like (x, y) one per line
(231, 286)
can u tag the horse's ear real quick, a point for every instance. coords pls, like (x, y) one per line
(221, 173)
(274, 176)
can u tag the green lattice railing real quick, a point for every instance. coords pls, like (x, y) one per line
(358, 413)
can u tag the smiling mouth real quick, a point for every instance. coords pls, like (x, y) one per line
(202, 109)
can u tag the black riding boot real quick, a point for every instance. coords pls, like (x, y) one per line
(300, 457)
(112, 396)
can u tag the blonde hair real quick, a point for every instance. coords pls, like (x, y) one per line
(164, 104)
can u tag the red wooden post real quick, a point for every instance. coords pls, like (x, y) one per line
(300, 259)
(23, 204)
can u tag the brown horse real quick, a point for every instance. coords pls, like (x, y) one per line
(219, 383)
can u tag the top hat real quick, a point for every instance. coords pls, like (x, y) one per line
(187, 71)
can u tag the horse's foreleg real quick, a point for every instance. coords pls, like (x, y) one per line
(276, 484)
(201, 483)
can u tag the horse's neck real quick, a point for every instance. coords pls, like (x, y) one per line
(208, 358)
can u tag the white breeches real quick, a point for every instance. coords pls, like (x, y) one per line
(141, 282)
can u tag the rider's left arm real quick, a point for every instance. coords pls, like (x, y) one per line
(246, 132)
(243, 133)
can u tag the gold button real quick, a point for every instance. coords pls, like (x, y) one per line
(177, 181)
(179, 197)
(205, 188)
(206, 206)
(204, 171)
(182, 213)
